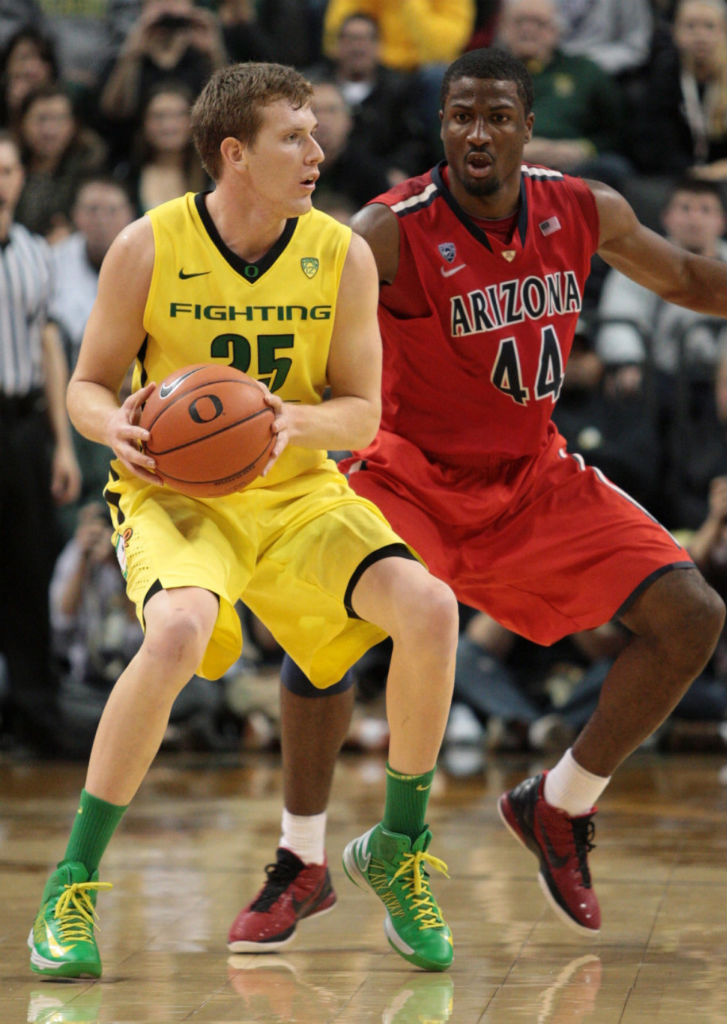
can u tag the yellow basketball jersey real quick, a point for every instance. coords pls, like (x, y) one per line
(272, 319)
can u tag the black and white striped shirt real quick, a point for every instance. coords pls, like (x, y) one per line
(25, 289)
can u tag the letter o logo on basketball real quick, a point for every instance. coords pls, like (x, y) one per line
(205, 408)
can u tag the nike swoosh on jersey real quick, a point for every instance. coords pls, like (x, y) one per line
(454, 270)
(196, 273)
(166, 389)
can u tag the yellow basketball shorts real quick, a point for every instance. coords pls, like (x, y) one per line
(288, 551)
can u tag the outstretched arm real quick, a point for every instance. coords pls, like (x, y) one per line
(675, 274)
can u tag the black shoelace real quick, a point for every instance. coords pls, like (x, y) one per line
(280, 875)
(583, 832)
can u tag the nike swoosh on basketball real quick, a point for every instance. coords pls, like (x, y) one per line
(454, 270)
(553, 859)
(196, 273)
(166, 389)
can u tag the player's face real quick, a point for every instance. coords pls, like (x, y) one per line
(484, 130)
(282, 163)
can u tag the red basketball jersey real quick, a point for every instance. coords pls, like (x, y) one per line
(477, 332)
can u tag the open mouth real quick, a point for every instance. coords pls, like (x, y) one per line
(478, 164)
(310, 181)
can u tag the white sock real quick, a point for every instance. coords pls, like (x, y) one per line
(571, 788)
(305, 836)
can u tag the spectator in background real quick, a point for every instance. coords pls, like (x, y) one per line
(414, 33)
(163, 163)
(82, 32)
(418, 37)
(616, 34)
(577, 106)
(57, 151)
(681, 118)
(348, 169)
(487, 14)
(611, 427)
(37, 468)
(509, 683)
(170, 40)
(16, 14)
(96, 633)
(667, 353)
(288, 31)
(382, 101)
(100, 211)
(698, 453)
(27, 63)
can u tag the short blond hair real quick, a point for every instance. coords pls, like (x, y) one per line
(232, 102)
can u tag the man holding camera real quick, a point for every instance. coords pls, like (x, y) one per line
(170, 39)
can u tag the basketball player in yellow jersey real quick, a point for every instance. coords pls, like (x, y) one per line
(250, 275)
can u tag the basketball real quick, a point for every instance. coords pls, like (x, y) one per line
(210, 430)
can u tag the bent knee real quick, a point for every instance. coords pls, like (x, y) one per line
(436, 617)
(178, 634)
(686, 616)
(702, 616)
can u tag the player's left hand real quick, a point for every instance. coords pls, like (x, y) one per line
(280, 427)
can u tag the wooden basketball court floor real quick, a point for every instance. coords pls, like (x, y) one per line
(191, 851)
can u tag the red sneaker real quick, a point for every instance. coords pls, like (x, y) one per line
(561, 844)
(294, 890)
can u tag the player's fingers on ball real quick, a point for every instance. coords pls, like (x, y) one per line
(145, 474)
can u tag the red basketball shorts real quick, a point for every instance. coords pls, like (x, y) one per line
(545, 545)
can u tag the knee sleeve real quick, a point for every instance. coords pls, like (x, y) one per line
(297, 682)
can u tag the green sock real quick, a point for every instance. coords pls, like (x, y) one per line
(93, 827)
(407, 797)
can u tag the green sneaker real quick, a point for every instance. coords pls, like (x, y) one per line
(393, 867)
(61, 941)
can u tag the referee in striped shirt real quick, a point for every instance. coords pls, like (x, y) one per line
(38, 470)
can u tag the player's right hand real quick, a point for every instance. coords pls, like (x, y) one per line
(126, 437)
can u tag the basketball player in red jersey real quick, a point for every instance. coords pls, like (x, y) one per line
(482, 263)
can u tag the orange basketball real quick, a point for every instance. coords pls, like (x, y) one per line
(210, 430)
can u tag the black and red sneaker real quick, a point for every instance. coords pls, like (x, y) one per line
(561, 844)
(293, 891)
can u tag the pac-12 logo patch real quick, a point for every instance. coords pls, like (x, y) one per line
(122, 539)
(310, 265)
(448, 251)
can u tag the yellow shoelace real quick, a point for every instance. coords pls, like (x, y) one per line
(427, 912)
(75, 911)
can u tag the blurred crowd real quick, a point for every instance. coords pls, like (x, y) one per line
(95, 99)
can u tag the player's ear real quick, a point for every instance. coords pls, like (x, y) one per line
(233, 152)
(529, 121)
